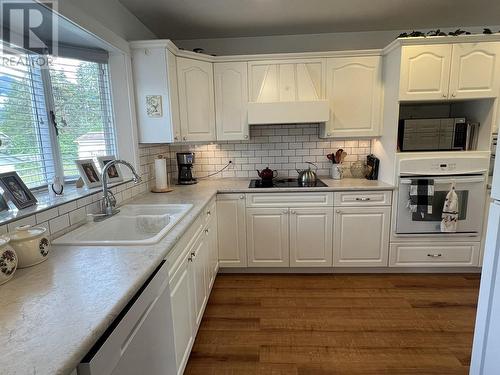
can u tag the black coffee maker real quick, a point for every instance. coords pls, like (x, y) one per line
(185, 161)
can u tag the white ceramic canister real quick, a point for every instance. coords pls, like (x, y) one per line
(8, 260)
(337, 172)
(31, 244)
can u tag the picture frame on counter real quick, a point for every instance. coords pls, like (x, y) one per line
(16, 190)
(88, 172)
(114, 173)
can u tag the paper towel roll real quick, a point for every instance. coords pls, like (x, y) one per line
(161, 174)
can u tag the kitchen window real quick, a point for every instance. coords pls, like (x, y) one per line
(53, 114)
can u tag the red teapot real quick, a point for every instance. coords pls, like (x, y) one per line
(267, 174)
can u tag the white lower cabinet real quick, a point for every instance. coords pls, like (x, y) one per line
(311, 237)
(193, 273)
(180, 296)
(231, 230)
(361, 236)
(267, 237)
(434, 254)
(199, 276)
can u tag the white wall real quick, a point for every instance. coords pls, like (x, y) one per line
(301, 43)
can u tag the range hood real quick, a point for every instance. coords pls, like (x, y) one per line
(287, 92)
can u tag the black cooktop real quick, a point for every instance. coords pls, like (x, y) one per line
(283, 183)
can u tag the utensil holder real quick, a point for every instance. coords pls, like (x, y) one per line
(336, 172)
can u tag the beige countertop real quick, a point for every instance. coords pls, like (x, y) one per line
(52, 314)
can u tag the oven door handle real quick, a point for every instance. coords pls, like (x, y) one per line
(457, 180)
(444, 174)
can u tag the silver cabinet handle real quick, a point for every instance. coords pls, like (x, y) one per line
(435, 255)
(246, 136)
(293, 212)
(184, 138)
(206, 231)
(242, 197)
(453, 95)
(208, 212)
(338, 211)
(190, 259)
(176, 138)
(193, 254)
(364, 199)
(444, 95)
(285, 211)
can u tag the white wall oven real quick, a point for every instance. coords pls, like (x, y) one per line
(469, 178)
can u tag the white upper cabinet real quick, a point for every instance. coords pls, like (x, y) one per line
(475, 70)
(286, 80)
(196, 99)
(231, 101)
(425, 72)
(450, 71)
(155, 75)
(354, 93)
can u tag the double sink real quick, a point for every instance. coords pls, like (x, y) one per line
(135, 224)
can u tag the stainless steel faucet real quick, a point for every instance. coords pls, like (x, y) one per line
(108, 202)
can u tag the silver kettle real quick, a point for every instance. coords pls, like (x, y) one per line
(307, 177)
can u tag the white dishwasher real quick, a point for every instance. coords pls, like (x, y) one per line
(140, 340)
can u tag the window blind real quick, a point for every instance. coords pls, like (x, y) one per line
(24, 127)
(51, 116)
(83, 111)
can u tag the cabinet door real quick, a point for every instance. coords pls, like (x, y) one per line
(354, 92)
(267, 237)
(425, 72)
(231, 230)
(361, 236)
(196, 99)
(154, 72)
(199, 277)
(474, 70)
(311, 237)
(182, 313)
(213, 262)
(231, 101)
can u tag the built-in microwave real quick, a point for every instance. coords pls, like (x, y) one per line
(437, 134)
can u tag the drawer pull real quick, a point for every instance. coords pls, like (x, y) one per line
(364, 199)
(193, 254)
(208, 212)
(242, 196)
(435, 255)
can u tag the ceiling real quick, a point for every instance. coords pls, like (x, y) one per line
(194, 19)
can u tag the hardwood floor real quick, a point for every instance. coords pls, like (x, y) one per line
(337, 324)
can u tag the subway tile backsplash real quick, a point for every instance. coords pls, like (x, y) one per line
(284, 148)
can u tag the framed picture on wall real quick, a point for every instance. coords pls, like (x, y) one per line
(114, 172)
(154, 106)
(16, 190)
(88, 172)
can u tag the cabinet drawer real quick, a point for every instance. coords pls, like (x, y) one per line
(368, 198)
(434, 255)
(306, 199)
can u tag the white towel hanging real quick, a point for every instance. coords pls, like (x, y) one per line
(449, 217)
